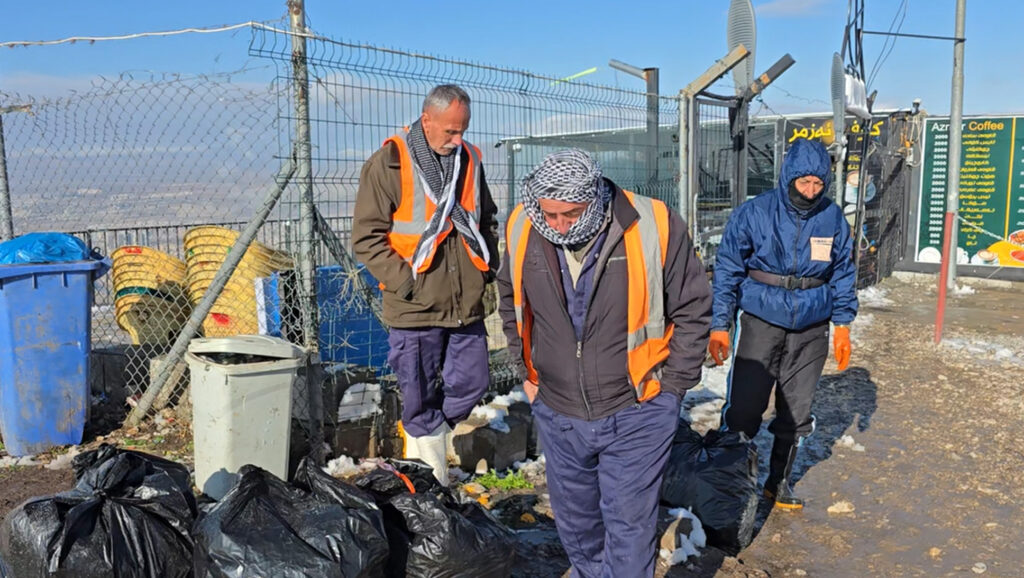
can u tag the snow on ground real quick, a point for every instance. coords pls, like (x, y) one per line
(859, 327)
(874, 296)
(495, 417)
(10, 461)
(686, 545)
(977, 348)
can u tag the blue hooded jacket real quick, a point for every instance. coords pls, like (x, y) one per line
(768, 233)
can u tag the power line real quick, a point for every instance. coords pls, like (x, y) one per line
(901, 13)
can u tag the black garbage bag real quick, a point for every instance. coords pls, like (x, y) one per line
(365, 520)
(266, 527)
(395, 477)
(716, 477)
(448, 540)
(129, 515)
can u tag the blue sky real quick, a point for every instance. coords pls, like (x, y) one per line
(554, 38)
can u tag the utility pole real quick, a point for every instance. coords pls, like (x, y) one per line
(304, 177)
(947, 275)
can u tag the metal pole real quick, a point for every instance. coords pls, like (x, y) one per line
(947, 274)
(6, 221)
(684, 158)
(304, 175)
(956, 104)
(693, 186)
(234, 257)
(653, 104)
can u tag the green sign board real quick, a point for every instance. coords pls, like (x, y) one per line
(991, 229)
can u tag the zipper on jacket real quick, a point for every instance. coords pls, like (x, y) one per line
(579, 373)
(579, 344)
(796, 264)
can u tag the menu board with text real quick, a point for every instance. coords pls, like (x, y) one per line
(991, 192)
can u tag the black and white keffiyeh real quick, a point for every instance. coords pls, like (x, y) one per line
(439, 173)
(572, 176)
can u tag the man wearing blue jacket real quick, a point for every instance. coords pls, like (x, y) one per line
(786, 263)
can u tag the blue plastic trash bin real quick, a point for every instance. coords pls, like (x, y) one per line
(45, 327)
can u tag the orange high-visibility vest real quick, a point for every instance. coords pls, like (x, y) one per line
(414, 212)
(648, 334)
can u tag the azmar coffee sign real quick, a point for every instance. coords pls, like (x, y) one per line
(991, 192)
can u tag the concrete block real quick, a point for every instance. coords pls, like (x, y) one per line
(475, 440)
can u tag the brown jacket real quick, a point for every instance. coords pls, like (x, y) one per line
(588, 379)
(449, 293)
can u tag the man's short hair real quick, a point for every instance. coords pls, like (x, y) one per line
(442, 95)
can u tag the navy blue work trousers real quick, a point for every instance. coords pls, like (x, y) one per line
(419, 356)
(604, 478)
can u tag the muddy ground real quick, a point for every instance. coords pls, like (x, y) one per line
(915, 468)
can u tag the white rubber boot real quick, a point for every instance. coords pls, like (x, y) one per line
(433, 451)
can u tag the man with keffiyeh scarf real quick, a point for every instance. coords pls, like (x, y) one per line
(606, 308)
(424, 225)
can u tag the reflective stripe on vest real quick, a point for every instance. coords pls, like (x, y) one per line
(648, 335)
(416, 209)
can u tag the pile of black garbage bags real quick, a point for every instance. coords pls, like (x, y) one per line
(132, 514)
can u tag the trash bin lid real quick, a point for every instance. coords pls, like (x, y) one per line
(263, 345)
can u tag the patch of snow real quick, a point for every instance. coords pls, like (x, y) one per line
(961, 290)
(11, 461)
(361, 400)
(688, 545)
(847, 441)
(531, 468)
(859, 326)
(495, 417)
(63, 461)
(874, 296)
(980, 348)
(515, 396)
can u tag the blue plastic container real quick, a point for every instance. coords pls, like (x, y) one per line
(45, 327)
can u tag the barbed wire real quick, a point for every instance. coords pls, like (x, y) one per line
(94, 39)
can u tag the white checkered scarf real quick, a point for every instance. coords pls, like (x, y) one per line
(571, 176)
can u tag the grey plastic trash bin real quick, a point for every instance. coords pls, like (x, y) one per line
(241, 406)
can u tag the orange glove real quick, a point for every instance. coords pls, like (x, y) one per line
(718, 347)
(841, 344)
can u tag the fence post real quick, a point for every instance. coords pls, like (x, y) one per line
(684, 159)
(6, 221)
(304, 175)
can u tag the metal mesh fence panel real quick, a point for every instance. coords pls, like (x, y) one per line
(716, 174)
(360, 95)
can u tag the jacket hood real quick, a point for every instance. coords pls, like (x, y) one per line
(805, 157)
